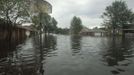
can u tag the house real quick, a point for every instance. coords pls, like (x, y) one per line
(129, 30)
(16, 32)
(92, 32)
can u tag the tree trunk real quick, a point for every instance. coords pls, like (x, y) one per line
(114, 33)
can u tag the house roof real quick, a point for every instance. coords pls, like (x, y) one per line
(29, 28)
(85, 29)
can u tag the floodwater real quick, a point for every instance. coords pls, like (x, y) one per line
(68, 55)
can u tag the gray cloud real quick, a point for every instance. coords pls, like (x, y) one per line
(88, 10)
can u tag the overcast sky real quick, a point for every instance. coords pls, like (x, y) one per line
(88, 10)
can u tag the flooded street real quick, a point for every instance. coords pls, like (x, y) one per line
(68, 55)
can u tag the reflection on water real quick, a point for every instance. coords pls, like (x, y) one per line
(8, 46)
(45, 48)
(118, 53)
(27, 58)
(68, 55)
(76, 44)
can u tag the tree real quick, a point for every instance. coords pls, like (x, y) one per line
(48, 24)
(117, 16)
(40, 16)
(36, 21)
(76, 25)
(14, 11)
(54, 25)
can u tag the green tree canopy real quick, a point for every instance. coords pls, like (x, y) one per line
(54, 25)
(42, 21)
(14, 11)
(45, 22)
(76, 25)
(118, 15)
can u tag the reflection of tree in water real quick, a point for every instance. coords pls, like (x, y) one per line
(47, 46)
(8, 56)
(48, 43)
(29, 61)
(118, 51)
(76, 44)
(8, 46)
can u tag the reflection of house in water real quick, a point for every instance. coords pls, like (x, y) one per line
(8, 46)
(28, 58)
(92, 32)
